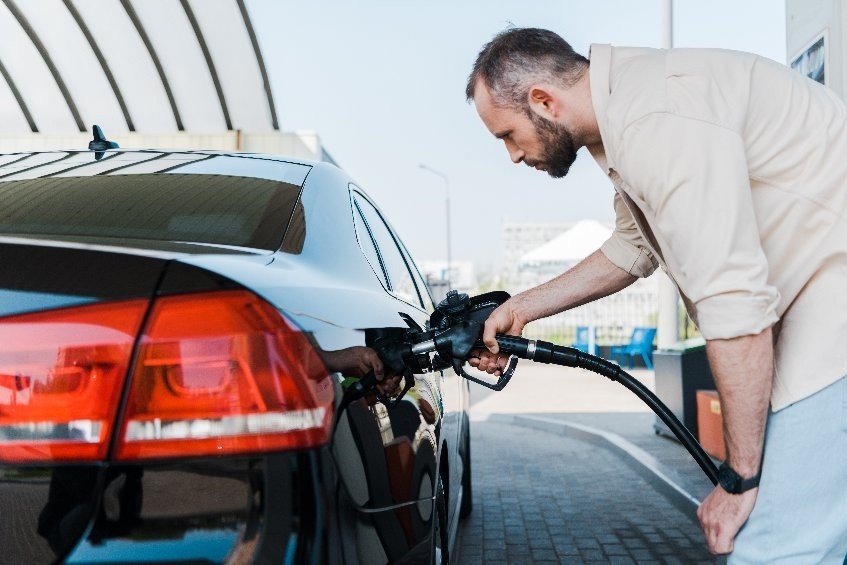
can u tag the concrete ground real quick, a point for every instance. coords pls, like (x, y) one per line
(567, 469)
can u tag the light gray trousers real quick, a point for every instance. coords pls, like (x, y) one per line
(801, 510)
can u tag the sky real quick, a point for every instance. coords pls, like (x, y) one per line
(382, 82)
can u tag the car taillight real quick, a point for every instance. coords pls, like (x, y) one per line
(215, 373)
(61, 376)
(222, 373)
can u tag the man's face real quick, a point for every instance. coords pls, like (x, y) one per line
(529, 138)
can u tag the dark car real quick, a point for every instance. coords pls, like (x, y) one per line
(178, 335)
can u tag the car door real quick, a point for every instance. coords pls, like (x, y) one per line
(404, 281)
(414, 429)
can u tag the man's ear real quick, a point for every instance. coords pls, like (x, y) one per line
(544, 101)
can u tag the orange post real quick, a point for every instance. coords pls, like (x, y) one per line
(710, 423)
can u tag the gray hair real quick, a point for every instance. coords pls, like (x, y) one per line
(517, 58)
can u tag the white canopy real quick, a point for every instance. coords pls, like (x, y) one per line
(585, 237)
(151, 66)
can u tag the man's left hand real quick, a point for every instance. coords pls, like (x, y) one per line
(722, 514)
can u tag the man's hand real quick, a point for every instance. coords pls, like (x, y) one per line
(722, 514)
(504, 320)
(353, 361)
(357, 362)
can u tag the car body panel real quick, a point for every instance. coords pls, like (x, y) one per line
(366, 497)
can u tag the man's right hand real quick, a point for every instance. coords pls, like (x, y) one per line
(504, 320)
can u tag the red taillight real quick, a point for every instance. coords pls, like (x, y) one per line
(223, 373)
(215, 373)
(61, 375)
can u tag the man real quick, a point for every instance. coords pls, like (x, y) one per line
(730, 173)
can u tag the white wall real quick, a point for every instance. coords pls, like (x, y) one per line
(805, 20)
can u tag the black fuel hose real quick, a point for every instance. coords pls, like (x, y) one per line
(550, 353)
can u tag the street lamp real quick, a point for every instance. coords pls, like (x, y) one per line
(668, 323)
(447, 207)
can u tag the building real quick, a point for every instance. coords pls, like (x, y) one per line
(522, 237)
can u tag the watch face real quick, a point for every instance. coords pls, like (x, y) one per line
(732, 481)
(729, 479)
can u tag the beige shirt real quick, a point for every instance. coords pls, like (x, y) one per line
(730, 173)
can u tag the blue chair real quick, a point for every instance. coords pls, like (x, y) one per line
(581, 342)
(640, 343)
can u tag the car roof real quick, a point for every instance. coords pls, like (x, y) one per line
(75, 162)
(211, 152)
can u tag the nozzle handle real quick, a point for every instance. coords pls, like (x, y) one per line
(365, 384)
(514, 345)
(502, 380)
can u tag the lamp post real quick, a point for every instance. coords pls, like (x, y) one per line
(668, 323)
(447, 207)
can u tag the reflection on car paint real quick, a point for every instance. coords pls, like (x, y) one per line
(397, 453)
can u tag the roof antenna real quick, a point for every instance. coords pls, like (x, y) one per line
(100, 144)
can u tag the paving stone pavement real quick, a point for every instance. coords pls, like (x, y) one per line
(545, 498)
(637, 428)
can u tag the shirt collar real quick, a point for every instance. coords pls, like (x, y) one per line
(600, 56)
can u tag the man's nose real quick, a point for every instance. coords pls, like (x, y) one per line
(516, 154)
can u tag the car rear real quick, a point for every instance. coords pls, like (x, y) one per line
(128, 375)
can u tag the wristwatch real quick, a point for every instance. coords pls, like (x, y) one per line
(733, 483)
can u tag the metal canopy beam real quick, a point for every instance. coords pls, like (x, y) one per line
(255, 42)
(20, 99)
(22, 21)
(209, 62)
(136, 21)
(102, 60)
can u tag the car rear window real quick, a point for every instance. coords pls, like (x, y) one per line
(216, 209)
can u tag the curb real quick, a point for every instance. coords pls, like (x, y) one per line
(662, 478)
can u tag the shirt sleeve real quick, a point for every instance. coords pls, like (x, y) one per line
(626, 248)
(693, 179)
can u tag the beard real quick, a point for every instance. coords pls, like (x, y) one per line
(559, 151)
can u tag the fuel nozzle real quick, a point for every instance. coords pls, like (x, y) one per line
(457, 325)
(454, 331)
